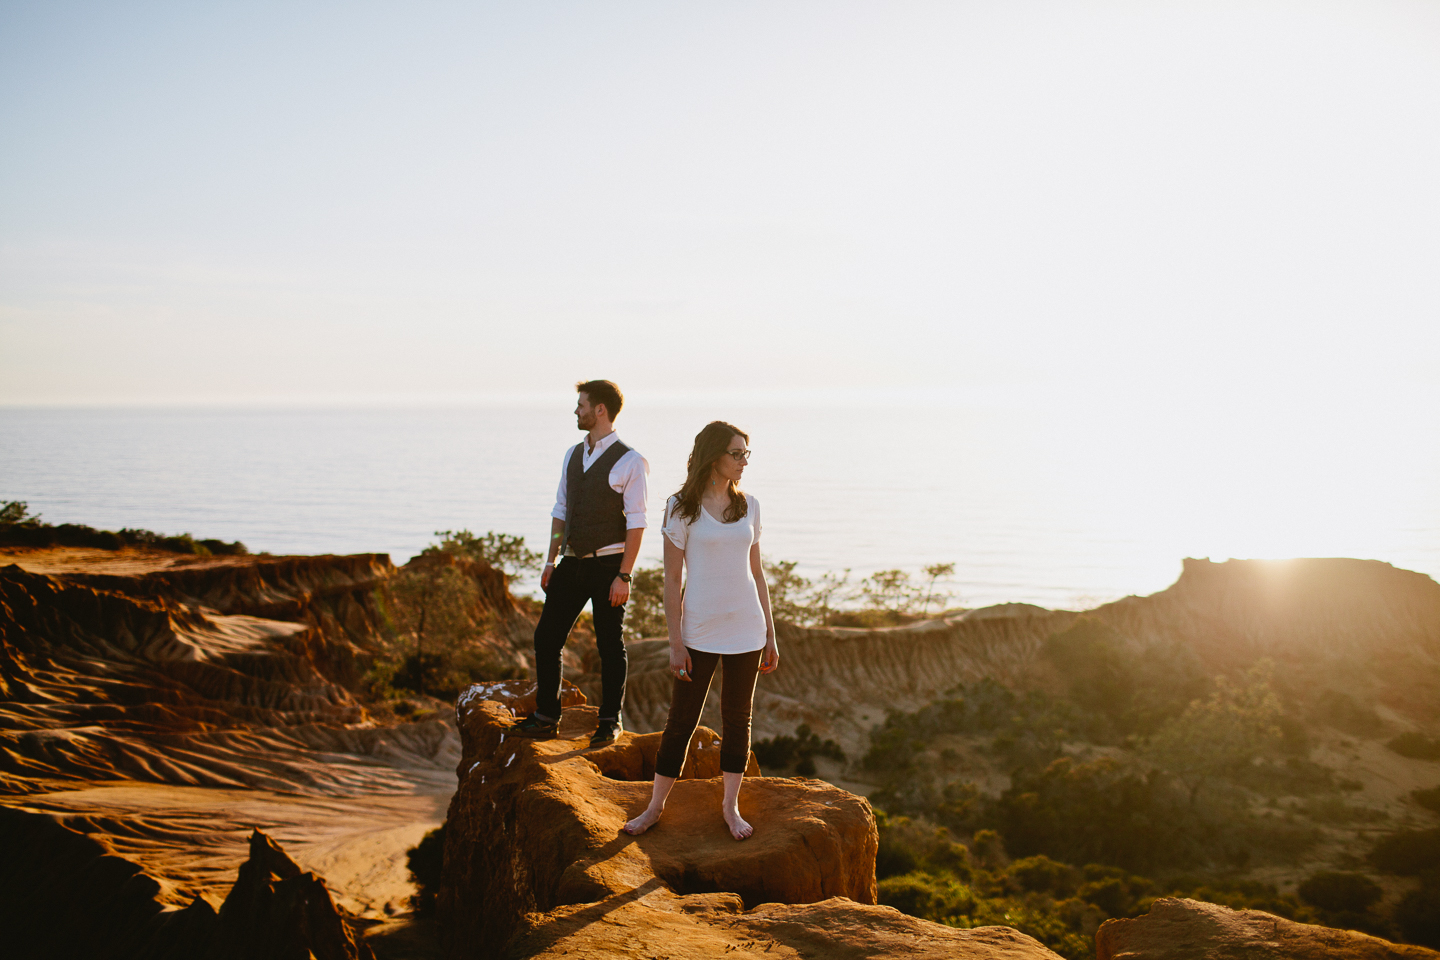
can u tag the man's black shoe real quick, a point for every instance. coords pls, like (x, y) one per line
(536, 727)
(607, 732)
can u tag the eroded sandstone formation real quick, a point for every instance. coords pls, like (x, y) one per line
(99, 684)
(64, 894)
(1363, 628)
(841, 681)
(1359, 627)
(536, 862)
(1177, 929)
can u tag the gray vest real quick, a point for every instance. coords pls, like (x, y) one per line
(594, 513)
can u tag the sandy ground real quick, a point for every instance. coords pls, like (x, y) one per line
(193, 839)
(56, 561)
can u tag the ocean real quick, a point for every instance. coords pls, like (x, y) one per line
(1042, 503)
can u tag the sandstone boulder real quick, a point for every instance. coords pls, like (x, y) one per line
(1177, 929)
(699, 927)
(537, 863)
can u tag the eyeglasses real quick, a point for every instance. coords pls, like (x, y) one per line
(739, 456)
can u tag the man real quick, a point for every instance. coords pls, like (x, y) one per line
(597, 523)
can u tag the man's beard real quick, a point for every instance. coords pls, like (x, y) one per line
(585, 421)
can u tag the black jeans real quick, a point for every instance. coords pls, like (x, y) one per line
(687, 700)
(575, 582)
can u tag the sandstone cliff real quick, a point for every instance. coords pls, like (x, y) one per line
(1177, 929)
(841, 681)
(99, 684)
(65, 894)
(536, 863)
(1358, 627)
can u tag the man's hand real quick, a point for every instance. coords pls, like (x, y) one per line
(619, 592)
(545, 577)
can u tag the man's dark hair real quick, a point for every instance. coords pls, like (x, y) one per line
(603, 391)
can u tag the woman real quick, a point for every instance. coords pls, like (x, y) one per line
(722, 619)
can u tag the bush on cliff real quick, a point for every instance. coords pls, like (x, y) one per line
(1129, 818)
(781, 753)
(1416, 746)
(923, 870)
(1345, 900)
(1418, 914)
(885, 598)
(505, 552)
(1429, 799)
(1122, 690)
(20, 528)
(645, 613)
(439, 635)
(1408, 852)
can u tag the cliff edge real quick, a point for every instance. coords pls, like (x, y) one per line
(536, 862)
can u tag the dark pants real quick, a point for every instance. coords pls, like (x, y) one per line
(575, 582)
(737, 695)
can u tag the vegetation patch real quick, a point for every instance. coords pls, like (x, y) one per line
(1416, 746)
(797, 753)
(20, 528)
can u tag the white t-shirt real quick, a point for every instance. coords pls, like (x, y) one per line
(722, 612)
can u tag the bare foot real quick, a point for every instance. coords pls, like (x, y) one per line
(739, 829)
(643, 822)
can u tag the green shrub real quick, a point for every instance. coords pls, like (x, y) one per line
(926, 896)
(797, 752)
(20, 528)
(1407, 852)
(907, 845)
(1418, 916)
(1092, 658)
(1416, 746)
(1351, 892)
(1429, 799)
(645, 613)
(1093, 812)
(1040, 874)
(18, 513)
(505, 552)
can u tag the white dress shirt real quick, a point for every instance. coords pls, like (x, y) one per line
(627, 477)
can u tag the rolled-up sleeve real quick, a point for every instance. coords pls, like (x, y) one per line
(676, 530)
(558, 512)
(631, 477)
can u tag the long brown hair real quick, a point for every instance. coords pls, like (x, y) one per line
(710, 445)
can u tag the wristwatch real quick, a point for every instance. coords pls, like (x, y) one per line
(624, 576)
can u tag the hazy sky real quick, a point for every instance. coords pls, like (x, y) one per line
(306, 201)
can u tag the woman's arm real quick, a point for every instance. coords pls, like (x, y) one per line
(771, 659)
(675, 609)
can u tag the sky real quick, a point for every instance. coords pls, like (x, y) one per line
(1086, 201)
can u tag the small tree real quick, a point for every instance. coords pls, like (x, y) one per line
(432, 606)
(787, 592)
(17, 511)
(645, 613)
(825, 594)
(503, 551)
(936, 572)
(1236, 725)
(890, 591)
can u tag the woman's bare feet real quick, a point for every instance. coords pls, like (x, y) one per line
(739, 829)
(643, 822)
